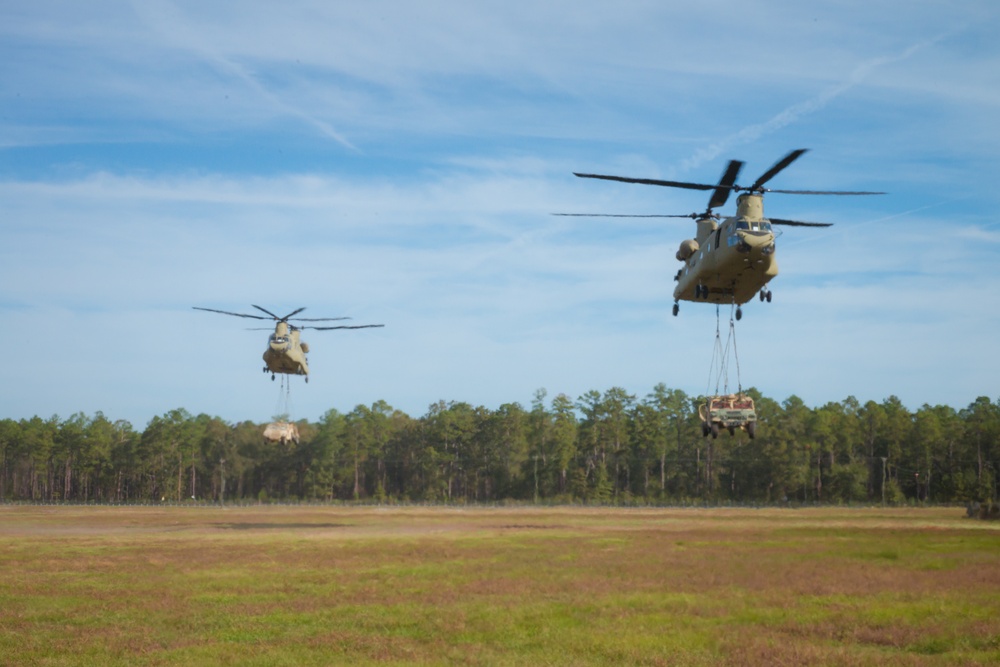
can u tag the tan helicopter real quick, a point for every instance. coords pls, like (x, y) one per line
(285, 352)
(732, 260)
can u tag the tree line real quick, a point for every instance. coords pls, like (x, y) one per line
(602, 448)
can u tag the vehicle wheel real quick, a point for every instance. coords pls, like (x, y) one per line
(705, 430)
(752, 429)
(715, 431)
(732, 430)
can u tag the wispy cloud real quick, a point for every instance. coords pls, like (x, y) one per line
(399, 164)
(793, 113)
(164, 18)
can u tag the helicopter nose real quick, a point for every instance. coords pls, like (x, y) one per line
(756, 244)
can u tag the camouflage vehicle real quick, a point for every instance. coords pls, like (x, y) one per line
(728, 412)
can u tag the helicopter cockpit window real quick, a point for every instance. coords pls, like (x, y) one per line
(754, 226)
(280, 340)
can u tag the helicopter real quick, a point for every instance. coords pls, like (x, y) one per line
(285, 352)
(730, 260)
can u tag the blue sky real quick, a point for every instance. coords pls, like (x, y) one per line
(398, 163)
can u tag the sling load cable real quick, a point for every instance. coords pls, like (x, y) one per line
(735, 411)
(288, 397)
(721, 354)
(717, 358)
(736, 356)
(282, 406)
(278, 405)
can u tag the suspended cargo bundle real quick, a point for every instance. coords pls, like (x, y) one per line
(281, 432)
(724, 410)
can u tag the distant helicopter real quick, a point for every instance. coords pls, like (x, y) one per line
(731, 261)
(285, 352)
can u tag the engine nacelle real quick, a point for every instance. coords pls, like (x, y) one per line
(687, 249)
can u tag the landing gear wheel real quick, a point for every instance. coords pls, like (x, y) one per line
(272, 377)
(762, 296)
(307, 379)
(768, 297)
(676, 309)
(739, 314)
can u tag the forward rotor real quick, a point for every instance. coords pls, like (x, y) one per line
(730, 184)
(295, 327)
(272, 316)
(721, 190)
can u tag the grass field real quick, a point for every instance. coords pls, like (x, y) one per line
(563, 586)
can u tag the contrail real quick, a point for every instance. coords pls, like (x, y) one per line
(793, 113)
(161, 16)
(322, 126)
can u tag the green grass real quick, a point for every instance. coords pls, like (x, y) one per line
(554, 586)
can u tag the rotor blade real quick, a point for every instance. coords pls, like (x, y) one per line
(226, 312)
(778, 166)
(294, 312)
(796, 223)
(725, 185)
(264, 310)
(319, 319)
(823, 192)
(649, 181)
(358, 326)
(624, 215)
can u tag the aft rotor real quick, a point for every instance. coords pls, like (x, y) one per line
(720, 191)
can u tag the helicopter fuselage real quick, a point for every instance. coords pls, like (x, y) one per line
(729, 262)
(285, 352)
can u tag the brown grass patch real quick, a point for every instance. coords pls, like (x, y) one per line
(317, 585)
